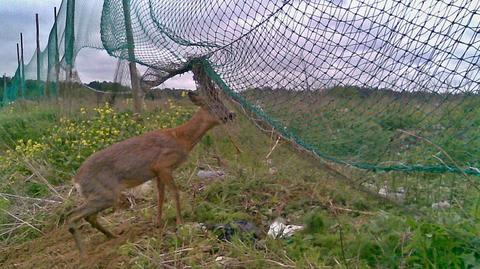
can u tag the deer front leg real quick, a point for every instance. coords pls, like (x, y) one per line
(160, 199)
(166, 178)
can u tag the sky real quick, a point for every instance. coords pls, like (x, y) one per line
(18, 16)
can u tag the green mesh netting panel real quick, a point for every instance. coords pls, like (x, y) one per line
(78, 26)
(379, 85)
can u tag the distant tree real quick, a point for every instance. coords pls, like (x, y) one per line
(164, 93)
(111, 89)
(108, 86)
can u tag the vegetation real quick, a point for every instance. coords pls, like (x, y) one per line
(2, 89)
(42, 146)
(106, 86)
(378, 125)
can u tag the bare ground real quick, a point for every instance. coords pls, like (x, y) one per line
(56, 249)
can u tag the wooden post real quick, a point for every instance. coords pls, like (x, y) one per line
(22, 77)
(48, 80)
(19, 71)
(38, 47)
(57, 57)
(137, 96)
(38, 54)
(69, 38)
(69, 51)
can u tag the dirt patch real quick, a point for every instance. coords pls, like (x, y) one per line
(57, 249)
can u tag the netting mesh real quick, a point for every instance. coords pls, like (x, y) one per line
(380, 85)
(78, 26)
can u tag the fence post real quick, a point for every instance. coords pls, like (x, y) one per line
(57, 57)
(137, 98)
(22, 71)
(38, 52)
(69, 51)
(69, 37)
(19, 71)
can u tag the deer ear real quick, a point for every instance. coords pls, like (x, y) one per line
(196, 99)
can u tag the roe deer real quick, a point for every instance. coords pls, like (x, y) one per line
(129, 163)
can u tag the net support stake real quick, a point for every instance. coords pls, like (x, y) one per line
(137, 96)
(22, 71)
(69, 38)
(57, 57)
(69, 51)
(19, 70)
(37, 27)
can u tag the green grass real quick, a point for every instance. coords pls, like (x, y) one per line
(17, 123)
(379, 127)
(344, 228)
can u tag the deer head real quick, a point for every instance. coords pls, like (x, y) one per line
(211, 103)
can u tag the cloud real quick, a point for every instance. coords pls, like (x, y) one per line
(94, 64)
(414, 46)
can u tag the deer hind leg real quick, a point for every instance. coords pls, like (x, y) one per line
(166, 177)
(92, 219)
(84, 211)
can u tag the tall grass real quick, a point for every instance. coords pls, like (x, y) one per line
(344, 228)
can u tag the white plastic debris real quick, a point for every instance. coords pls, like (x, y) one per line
(210, 174)
(202, 227)
(278, 229)
(441, 205)
(399, 194)
(291, 230)
(383, 192)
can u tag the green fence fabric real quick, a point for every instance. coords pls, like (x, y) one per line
(78, 27)
(380, 85)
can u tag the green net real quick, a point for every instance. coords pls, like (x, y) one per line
(77, 27)
(379, 85)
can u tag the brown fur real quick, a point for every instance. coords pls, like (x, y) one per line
(131, 162)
